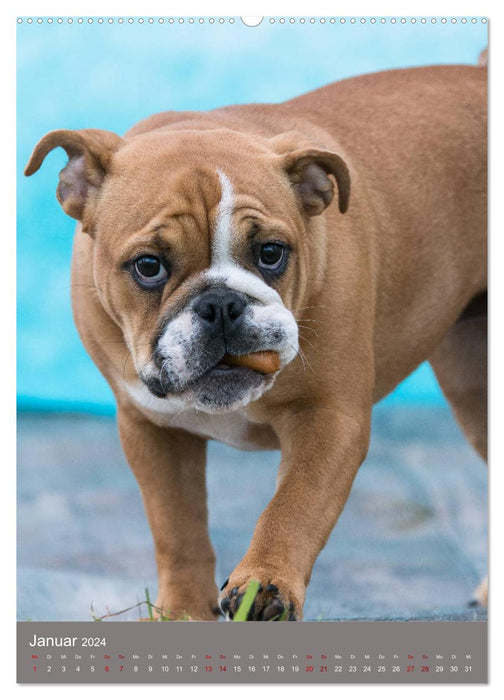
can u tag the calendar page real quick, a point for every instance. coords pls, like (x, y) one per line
(252, 349)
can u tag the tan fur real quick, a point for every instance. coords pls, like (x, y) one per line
(375, 290)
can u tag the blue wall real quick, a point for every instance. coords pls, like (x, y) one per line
(110, 76)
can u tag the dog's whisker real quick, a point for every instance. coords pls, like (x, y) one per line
(176, 415)
(300, 355)
(316, 306)
(307, 328)
(307, 341)
(303, 358)
(311, 320)
(306, 360)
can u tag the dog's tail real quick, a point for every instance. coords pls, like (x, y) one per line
(483, 58)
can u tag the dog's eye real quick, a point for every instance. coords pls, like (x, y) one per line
(150, 271)
(271, 256)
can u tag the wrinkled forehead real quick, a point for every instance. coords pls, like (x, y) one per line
(152, 194)
(187, 175)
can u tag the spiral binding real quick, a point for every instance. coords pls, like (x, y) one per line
(269, 20)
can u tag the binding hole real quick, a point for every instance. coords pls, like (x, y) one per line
(251, 21)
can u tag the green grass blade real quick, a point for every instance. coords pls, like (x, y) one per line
(246, 604)
(149, 605)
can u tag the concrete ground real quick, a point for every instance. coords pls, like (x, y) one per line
(411, 543)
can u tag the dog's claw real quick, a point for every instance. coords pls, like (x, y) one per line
(225, 605)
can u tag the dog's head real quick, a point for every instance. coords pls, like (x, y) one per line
(202, 248)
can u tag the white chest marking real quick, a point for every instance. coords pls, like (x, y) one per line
(230, 428)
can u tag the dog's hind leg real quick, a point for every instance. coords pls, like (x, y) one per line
(460, 365)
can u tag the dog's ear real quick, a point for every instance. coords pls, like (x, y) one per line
(309, 169)
(89, 154)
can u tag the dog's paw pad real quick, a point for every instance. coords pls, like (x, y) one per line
(271, 603)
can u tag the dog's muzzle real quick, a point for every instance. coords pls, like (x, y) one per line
(190, 351)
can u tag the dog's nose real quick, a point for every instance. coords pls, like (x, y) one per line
(217, 307)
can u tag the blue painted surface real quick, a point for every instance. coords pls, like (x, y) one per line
(110, 76)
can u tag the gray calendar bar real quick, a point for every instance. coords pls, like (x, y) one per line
(253, 652)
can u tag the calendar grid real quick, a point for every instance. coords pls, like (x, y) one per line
(209, 652)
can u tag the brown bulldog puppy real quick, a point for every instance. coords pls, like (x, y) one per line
(261, 275)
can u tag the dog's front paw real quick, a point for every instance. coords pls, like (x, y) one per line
(273, 600)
